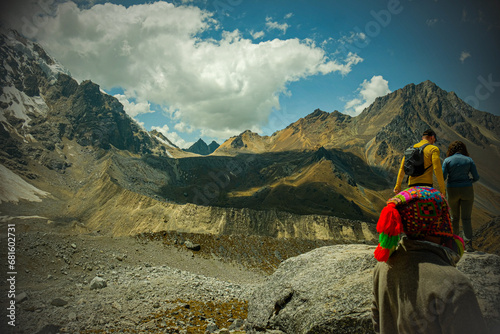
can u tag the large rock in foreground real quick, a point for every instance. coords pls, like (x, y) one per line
(329, 290)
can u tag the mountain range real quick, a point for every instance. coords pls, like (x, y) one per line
(70, 153)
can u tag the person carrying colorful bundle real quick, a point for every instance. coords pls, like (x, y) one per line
(416, 286)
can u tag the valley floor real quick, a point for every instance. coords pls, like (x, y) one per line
(153, 282)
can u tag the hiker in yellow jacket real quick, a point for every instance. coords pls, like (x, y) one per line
(431, 158)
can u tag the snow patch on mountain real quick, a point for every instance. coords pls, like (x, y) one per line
(166, 143)
(14, 188)
(18, 104)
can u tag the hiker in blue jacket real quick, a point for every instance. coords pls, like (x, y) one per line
(461, 172)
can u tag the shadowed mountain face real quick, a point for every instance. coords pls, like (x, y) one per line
(201, 148)
(321, 182)
(73, 141)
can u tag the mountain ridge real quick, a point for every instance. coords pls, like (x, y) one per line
(392, 122)
(322, 164)
(399, 99)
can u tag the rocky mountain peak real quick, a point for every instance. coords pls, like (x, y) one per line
(249, 133)
(322, 153)
(200, 147)
(426, 90)
(213, 146)
(340, 117)
(245, 139)
(317, 113)
(429, 86)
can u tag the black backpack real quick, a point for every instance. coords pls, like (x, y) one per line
(414, 161)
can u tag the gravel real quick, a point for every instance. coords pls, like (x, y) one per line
(99, 284)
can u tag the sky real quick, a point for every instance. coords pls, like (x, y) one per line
(212, 69)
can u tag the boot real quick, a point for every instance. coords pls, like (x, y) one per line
(468, 246)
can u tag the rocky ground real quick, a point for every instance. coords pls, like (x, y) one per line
(69, 281)
(487, 238)
(151, 283)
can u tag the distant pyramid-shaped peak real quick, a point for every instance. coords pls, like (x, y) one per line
(213, 146)
(201, 147)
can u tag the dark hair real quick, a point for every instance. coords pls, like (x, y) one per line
(457, 147)
(429, 132)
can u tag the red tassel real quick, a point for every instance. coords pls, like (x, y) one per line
(389, 221)
(382, 254)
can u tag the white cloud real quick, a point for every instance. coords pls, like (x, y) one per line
(257, 34)
(270, 24)
(133, 109)
(183, 127)
(351, 42)
(464, 55)
(155, 53)
(368, 92)
(327, 41)
(172, 136)
(289, 15)
(343, 68)
(352, 38)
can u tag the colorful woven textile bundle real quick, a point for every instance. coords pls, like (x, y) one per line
(417, 212)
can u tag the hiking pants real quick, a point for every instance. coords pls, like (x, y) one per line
(461, 200)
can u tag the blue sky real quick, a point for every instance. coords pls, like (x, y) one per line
(215, 68)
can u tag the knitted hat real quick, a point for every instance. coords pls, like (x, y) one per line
(418, 212)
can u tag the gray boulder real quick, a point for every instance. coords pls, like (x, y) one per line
(98, 283)
(238, 323)
(21, 297)
(58, 302)
(192, 246)
(484, 272)
(329, 290)
(212, 328)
